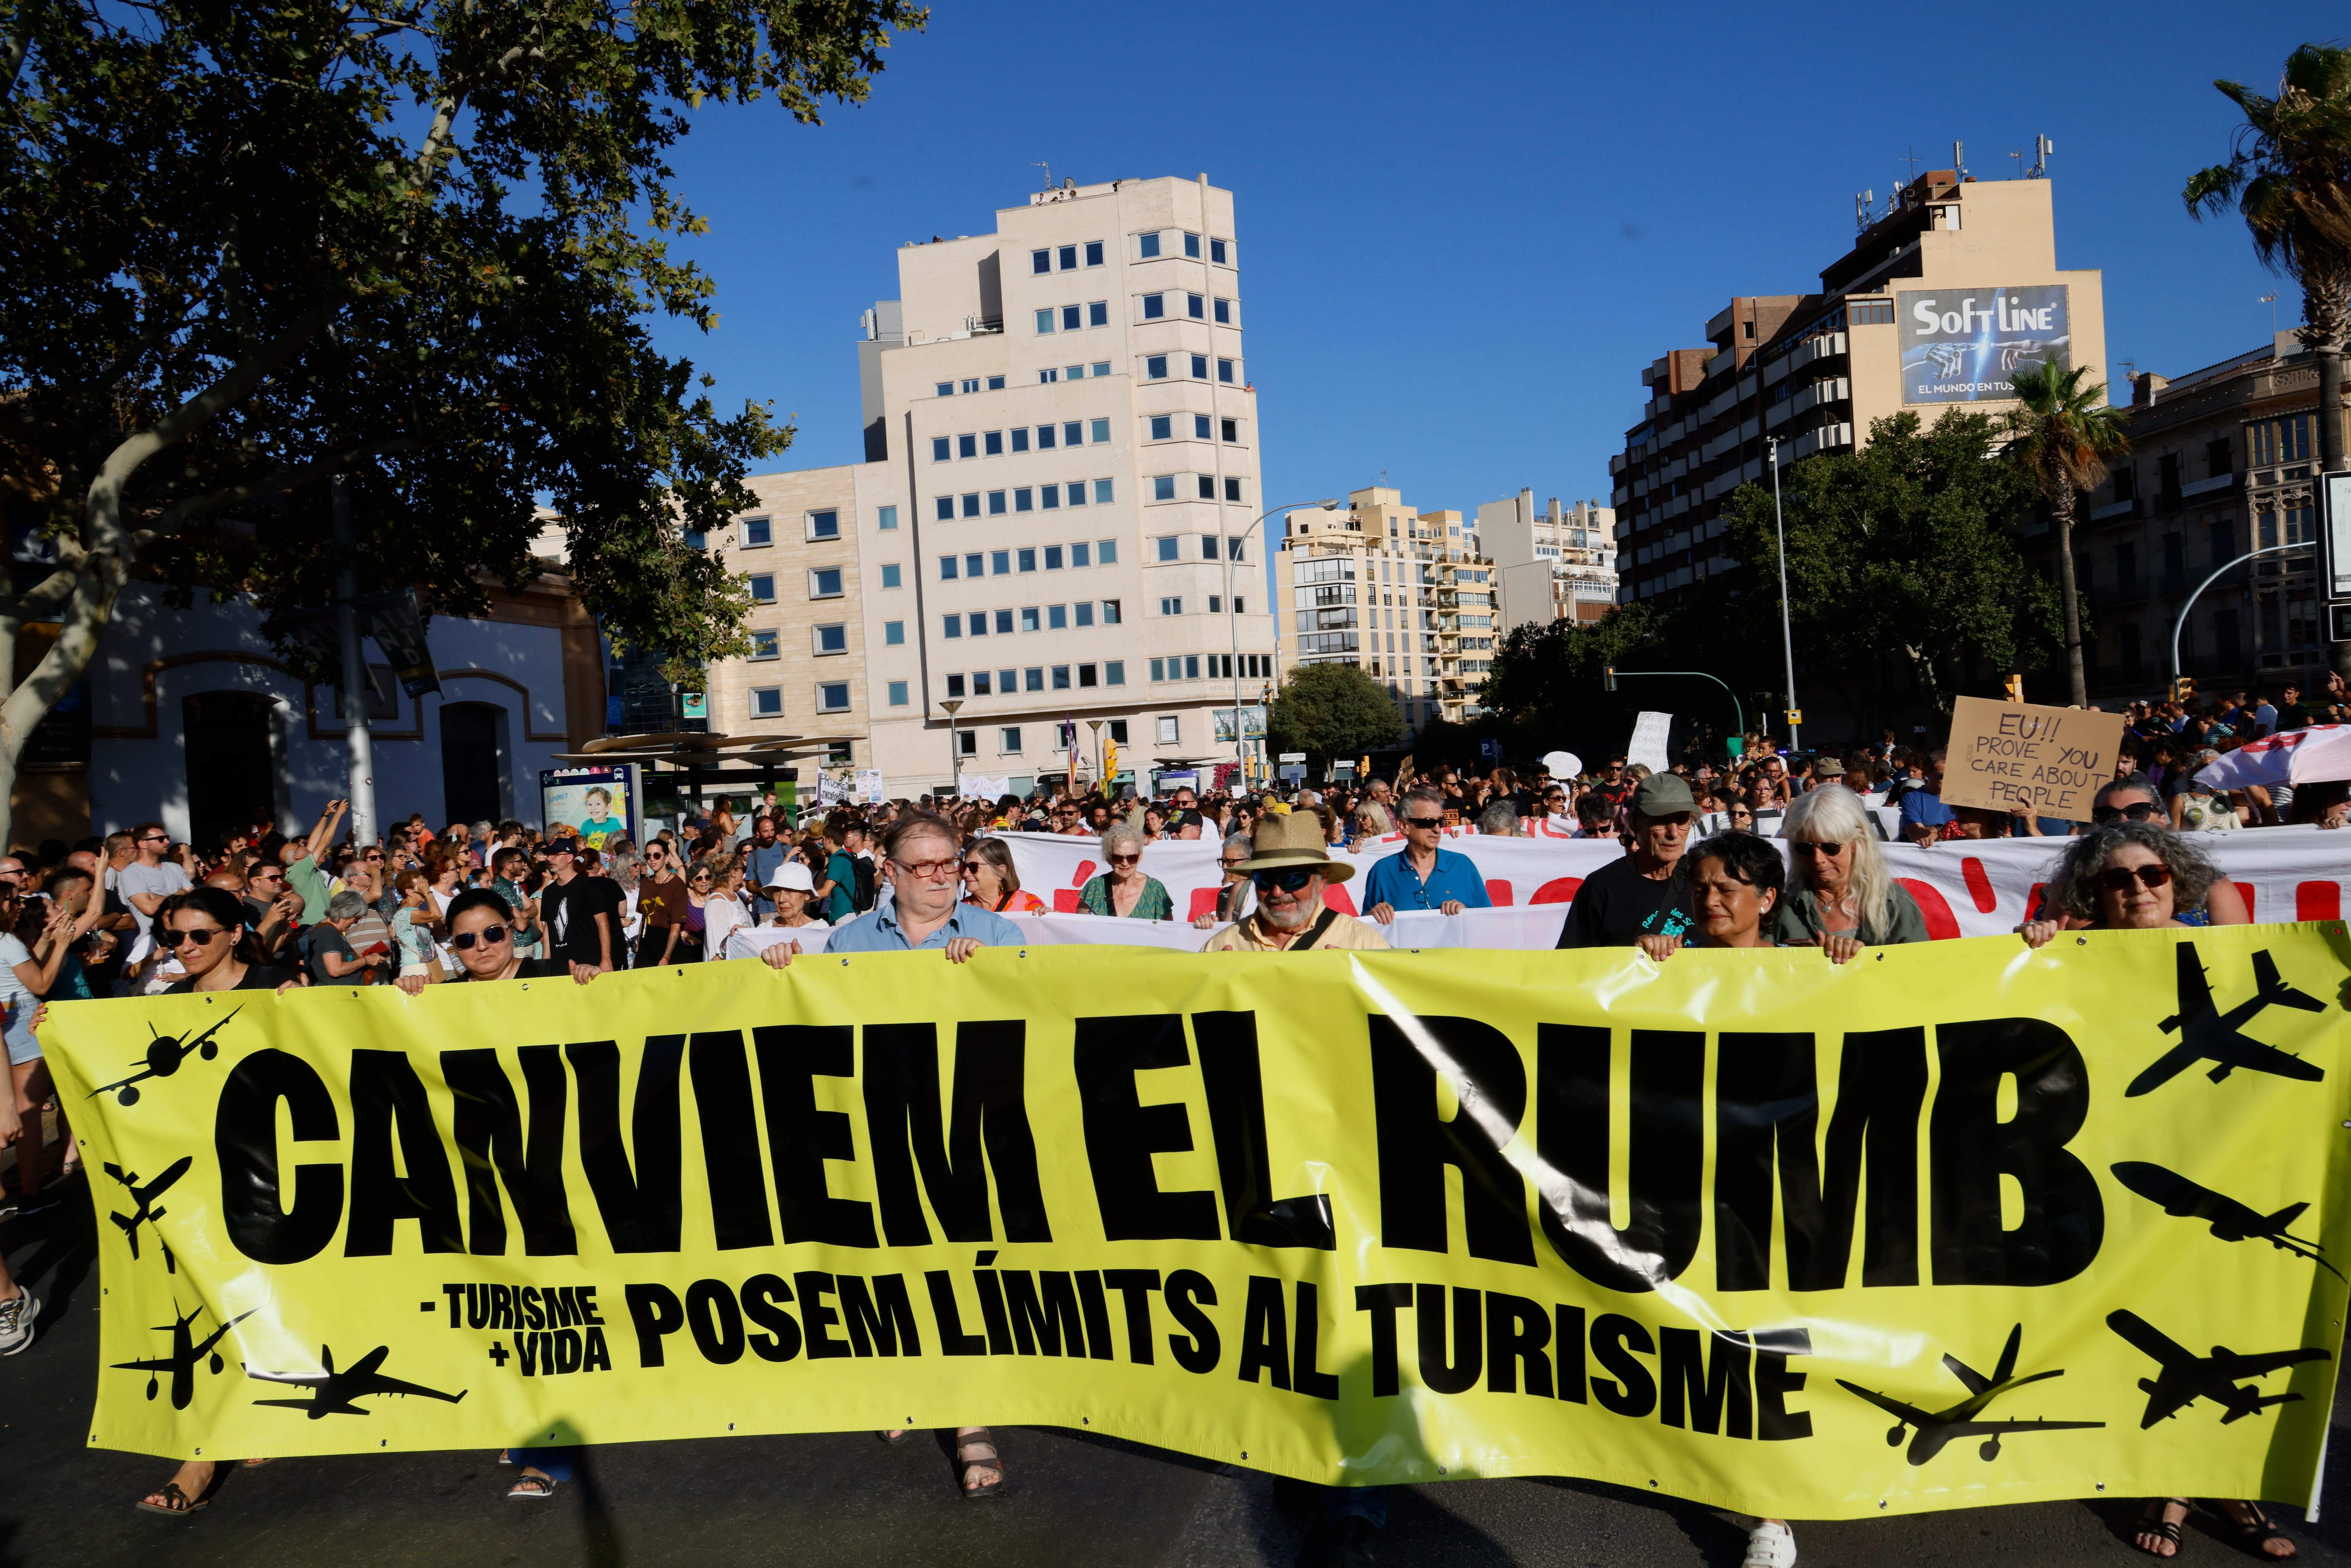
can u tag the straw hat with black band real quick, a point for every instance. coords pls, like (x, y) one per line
(1283, 843)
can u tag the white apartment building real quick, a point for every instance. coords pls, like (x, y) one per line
(1553, 565)
(1404, 595)
(1053, 522)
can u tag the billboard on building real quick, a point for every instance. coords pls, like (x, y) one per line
(1967, 345)
(591, 804)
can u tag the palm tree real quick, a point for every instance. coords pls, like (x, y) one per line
(2289, 177)
(2064, 434)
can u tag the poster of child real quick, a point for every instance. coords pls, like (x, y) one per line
(591, 804)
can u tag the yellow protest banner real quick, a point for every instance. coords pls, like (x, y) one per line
(1948, 1226)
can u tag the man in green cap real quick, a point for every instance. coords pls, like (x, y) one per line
(1642, 894)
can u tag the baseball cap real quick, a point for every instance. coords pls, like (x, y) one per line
(1828, 768)
(1663, 794)
(793, 877)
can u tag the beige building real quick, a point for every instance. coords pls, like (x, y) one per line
(1944, 295)
(1056, 518)
(1404, 595)
(1558, 564)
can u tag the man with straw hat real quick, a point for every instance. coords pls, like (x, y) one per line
(1290, 865)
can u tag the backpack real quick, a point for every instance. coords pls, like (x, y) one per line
(863, 895)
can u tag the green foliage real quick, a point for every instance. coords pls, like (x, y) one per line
(244, 246)
(2062, 436)
(1549, 680)
(1331, 711)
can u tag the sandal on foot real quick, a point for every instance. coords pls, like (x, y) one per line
(1770, 1544)
(990, 1461)
(531, 1489)
(2153, 1524)
(251, 1464)
(895, 1435)
(2254, 1534)
(175, 1501)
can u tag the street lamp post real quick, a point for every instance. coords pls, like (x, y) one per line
(1095, 725)
(1233, 626)
(955, 757)
(2179, 621)
(1787, 636)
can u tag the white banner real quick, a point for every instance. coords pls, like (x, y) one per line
(1965, 887)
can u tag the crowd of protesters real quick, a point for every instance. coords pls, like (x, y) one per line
(136, 913)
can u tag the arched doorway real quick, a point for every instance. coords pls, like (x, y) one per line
(230, 746)
(476, 783)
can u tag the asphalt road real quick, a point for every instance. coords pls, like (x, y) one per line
(845, 1499)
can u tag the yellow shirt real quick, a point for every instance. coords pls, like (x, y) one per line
(1346, 934)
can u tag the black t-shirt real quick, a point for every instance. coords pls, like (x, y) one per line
(258, 977)
(570, 909)
(1616, 905)
(534, 969)
(316, 943)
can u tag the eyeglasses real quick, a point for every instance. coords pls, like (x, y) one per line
(488, 936)
(1291, 880)
(1235, 865)
(1423, 822)
(1808, 850)
(927, 870)
(2141, 813)
(2119, 879)
(200, 937)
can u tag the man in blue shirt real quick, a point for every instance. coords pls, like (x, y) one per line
(1421, 875)
(925, 870)
(1924, 815)
(761, 858)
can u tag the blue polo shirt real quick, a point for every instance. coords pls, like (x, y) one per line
(1920, 810)
(1392, 881)
(761, 860)
(878, 931)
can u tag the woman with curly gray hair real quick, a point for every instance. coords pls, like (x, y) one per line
(1123, 890)
(2125, 876)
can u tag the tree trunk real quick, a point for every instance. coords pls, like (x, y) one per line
(2323, 312)
(84, 619)
(2061, 516)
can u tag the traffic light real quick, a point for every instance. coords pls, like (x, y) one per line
(1608, 676)
(2183, 689)
(2015, 689)
(1110, 760)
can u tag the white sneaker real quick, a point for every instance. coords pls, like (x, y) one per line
(16, 1318)
(1770, 1544)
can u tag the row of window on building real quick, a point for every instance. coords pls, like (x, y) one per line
(823, 582)
(1152, 245)
(832, 696)
(1007, 562)
(1213, 667)
(1037, 678)
(1026, 498)
(1173, 604)
(1083, 613)
(997, 443)
(1163, 428)
(1149, 308)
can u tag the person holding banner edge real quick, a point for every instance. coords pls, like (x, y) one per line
(1640, 899)
(1423, 874)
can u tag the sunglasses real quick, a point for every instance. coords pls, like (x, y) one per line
(201, 937)
(1423, 822)
(2141, 813)
(1808, 849)
(1292, 880)
(488, 936)
(2119, 879)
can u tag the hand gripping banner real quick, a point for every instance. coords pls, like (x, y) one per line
(1953, 1225)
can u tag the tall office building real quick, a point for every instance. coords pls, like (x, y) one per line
(1559, 564)
(1947, 292)
(1055, 521)
(1403, 595)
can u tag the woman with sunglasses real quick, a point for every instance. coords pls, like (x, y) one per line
(2124, 876)
(1123, 890)
(1234, 856)
(1843, 898)
(205, 928)
(991, 882)
(481, 934)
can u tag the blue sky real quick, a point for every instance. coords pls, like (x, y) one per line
(1464, 233)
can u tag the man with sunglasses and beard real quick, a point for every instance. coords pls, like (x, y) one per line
(481, 933)
(1290, 865)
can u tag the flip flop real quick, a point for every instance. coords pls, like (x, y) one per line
(179, 1507)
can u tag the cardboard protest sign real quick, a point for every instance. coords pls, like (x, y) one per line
(2032, 761)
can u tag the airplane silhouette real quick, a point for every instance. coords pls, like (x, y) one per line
(148, 1213)
(333, 1391)
(2232, 1220)
(1938, 1427)
(2206, 1034)
(2185, 1378)
(164, 1055)
(185, 1353)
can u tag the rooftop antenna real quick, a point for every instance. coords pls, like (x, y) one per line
(1863, 203)
(1911, 157)
(2020, 165)
(1049, 174)
(1959, 159)
(2042, 148)
(2270, 300)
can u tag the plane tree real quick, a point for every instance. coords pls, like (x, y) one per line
(248, 246)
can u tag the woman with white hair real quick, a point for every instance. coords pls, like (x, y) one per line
(1842, 899)
(1123, 890)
